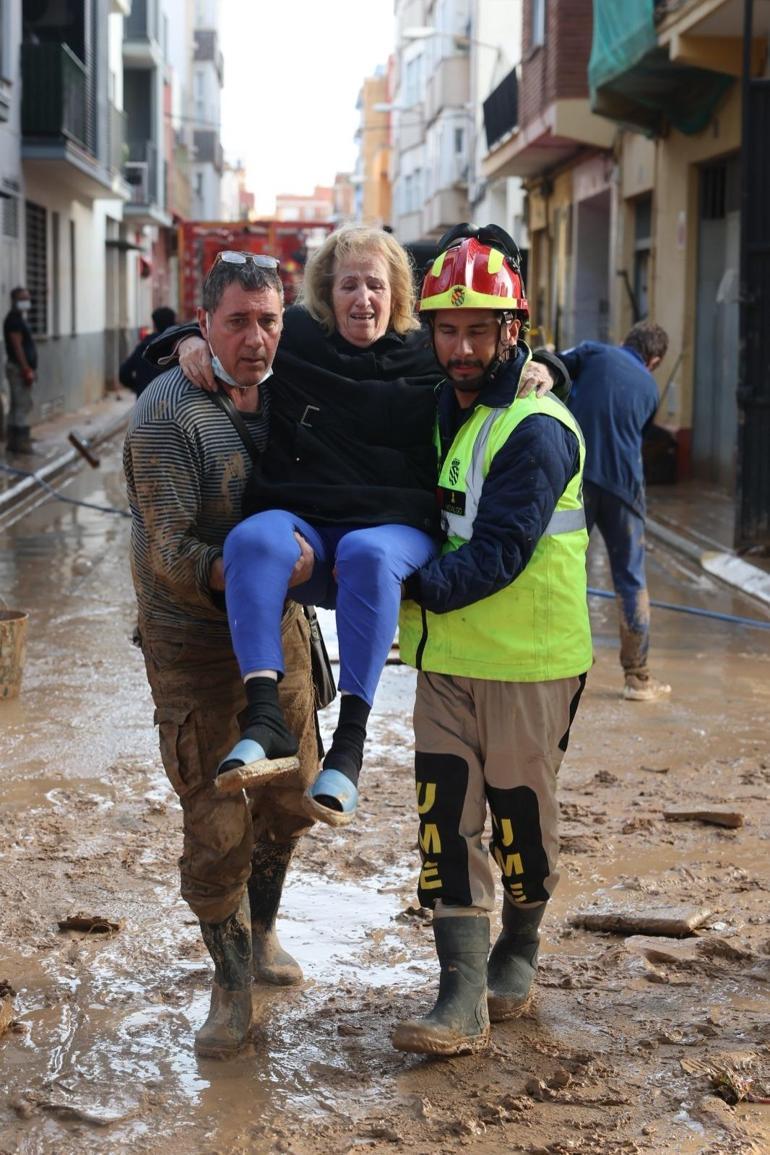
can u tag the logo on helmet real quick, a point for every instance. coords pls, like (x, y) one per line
(458, 295)
(454, 471)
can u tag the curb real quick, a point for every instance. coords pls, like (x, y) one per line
(18, 494)
(721, 564)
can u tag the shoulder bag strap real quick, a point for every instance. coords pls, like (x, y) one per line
(226, 405)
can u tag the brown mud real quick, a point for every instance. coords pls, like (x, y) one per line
(632, 1044)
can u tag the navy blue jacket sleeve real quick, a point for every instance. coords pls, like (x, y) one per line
(571, 359)
(527, 478)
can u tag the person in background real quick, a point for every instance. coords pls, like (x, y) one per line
(615, 398)
(186, 470)
(20, 371)
(136, 372)
(498, 628)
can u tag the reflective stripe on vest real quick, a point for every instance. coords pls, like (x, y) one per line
(461, 525)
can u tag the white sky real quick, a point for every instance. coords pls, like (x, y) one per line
(293, 71)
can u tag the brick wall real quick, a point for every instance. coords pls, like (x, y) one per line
(559, 69)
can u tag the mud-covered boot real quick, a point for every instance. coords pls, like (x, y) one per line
(459, 1022)
(227, 1026)
(513, 961)
(270, 962)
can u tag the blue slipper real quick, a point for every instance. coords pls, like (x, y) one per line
(243, 765)
(332, 784)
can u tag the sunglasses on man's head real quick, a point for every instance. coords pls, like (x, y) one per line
(258, 259)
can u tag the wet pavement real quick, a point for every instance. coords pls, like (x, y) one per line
(101, 1058)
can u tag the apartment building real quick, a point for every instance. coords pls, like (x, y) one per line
(688, 89)
(96, 139)
(208, 78)
(371, 179)
(65, 103)
(540, 127)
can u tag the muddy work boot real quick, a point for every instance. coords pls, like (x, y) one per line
(643, 688)
(513, 961)
(459, 1022)
(227, 1027)
(270, 962)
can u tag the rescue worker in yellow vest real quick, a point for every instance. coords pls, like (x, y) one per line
(498, 629)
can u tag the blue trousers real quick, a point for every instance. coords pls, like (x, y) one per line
(358, 572)
(622, 531)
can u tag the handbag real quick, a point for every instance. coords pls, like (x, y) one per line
(324, 685)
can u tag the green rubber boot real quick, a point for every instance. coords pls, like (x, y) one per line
(270, 962)
(513, 961)
(459, 1022)
(229, 1021)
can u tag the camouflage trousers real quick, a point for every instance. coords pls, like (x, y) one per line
(198, 694)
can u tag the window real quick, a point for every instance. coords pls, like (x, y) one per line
(55, 275)
(537, 31)
(642, 251)
(37, 266)
(9, 206)
(6, 55)
(73, 280)
(413, 81)
(459, 141)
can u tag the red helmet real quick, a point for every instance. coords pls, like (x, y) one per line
(473, 274)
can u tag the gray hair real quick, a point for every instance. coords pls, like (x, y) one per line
(249, 276)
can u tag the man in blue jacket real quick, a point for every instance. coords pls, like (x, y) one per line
(614, 398)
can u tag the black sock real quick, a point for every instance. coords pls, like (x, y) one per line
(346, 752)
(263, 720)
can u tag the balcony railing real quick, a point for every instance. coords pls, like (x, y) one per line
(117, 151)
(140, 173)
(501, 109)
(54, 94)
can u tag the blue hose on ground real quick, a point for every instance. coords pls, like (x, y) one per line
(60, 496)
(756, 623)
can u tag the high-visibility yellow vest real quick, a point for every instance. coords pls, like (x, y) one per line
(537, 628)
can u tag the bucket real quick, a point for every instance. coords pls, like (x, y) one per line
(13, 649)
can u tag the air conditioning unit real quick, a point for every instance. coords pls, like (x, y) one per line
(136, 174)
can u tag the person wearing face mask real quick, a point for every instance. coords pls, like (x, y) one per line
(20, 370)
(350, 469)
(186, 468)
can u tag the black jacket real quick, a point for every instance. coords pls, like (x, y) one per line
(351, 430)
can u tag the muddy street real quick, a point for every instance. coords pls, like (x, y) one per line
(633, 1042)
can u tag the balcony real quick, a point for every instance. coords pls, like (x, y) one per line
(555, 135)
(657, 67)
(146, 202)
(141, 35)
(501, 109)
(208, 149)
(443, 209)
(58, 123)
(448, 86)
(207, 50)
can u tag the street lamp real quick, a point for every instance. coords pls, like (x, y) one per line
(424, 32)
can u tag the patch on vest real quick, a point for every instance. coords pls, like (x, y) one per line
(458, 295)
(454, 471)
(452, 501)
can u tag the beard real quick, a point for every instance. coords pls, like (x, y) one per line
(466, 384)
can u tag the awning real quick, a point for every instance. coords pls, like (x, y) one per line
(633, 81)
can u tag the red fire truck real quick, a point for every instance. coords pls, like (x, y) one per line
(200, 241)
